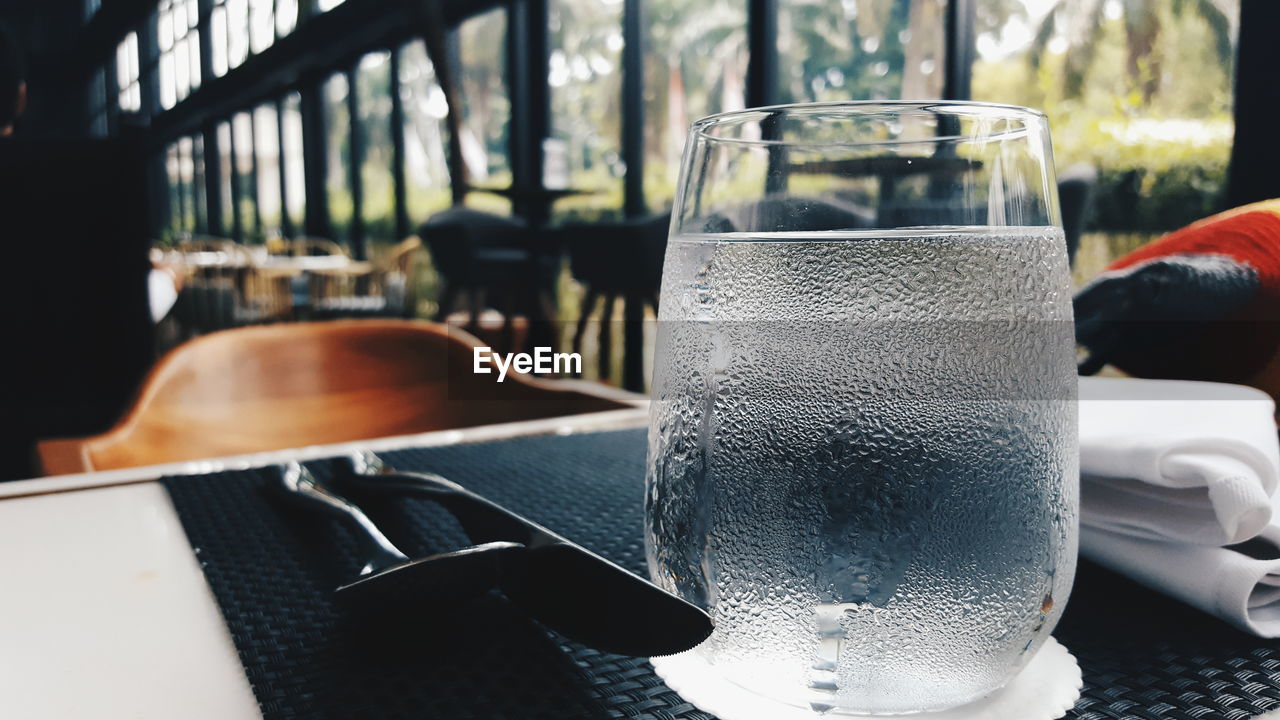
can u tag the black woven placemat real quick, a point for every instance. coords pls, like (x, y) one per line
(1143, 656)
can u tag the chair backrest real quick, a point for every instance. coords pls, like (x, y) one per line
(618, 256)
(403, 254)
(1075, 195)
(454, 235)
(296, 384)
(311, 246)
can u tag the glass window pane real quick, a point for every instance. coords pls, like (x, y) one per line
(237, 32)
(218, 40)
(164, 29)
(242, 127)
(585, 79)
(295, 189)
(187, 171)
(262, 30)
(861, 51)
(168, 83)
(193, 59)
(338, 151)
(226, 166)
(695, 65)
(286, 16)
(182, 73)
(426, 168)
(486, 109)
(266, 137)
(377, 207)
(1157, 131)
(174, 176)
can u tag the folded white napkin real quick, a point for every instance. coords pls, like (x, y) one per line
(1222, 581)
(1172, 471)
(1193, 462)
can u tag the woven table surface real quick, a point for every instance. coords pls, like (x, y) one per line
(272, 572)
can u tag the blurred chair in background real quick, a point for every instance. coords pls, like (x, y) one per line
(493, 262)
(297, 384)
(1201, 303)
(615, 260)
(384, 289)
(313, 247)
(227, 287)
(1075, 195)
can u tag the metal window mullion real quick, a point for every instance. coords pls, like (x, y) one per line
(216, 224)
(959, 41)
(286, 222)
(314, 160)
(762, 65)
(633, 107)
(148, 67)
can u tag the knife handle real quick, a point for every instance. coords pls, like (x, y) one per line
(300, 486)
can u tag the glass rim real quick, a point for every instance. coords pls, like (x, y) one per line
(865, 108)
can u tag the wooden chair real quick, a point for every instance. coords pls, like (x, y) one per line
(385, 289)
(296, 384)
(311, 246)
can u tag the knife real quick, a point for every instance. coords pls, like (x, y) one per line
(572, 590)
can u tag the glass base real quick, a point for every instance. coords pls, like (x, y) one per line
(1046, 688)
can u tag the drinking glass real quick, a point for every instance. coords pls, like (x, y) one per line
(862, 446)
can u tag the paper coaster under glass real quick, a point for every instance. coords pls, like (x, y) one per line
(1045, 689)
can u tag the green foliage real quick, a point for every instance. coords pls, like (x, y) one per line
(1161, 157)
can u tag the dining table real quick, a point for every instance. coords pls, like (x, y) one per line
(185, 591)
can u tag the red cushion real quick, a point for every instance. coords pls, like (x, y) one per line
(1201, 303)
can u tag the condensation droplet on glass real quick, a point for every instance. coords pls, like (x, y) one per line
(880, 68)
(927, 66)
(904, 36)
(870, 44)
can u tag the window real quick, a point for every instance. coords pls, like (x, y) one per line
(127, 74)
(585, 78)
(184, 208)
(377, 199)
(227, 181)
(861, 51)
(179, 44)
(286, 16)
(486, 110)
(426, 169)
(237, 32)
(173, 173)
(262, 26)
(266, 141)
(1145, 103)
(294, 184)
(695, 65)
(337, 120)
(199, 202)
(246, 182)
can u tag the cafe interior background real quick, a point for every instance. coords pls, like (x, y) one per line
(170, 156)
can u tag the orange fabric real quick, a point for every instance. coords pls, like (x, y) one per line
(1242, 346)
